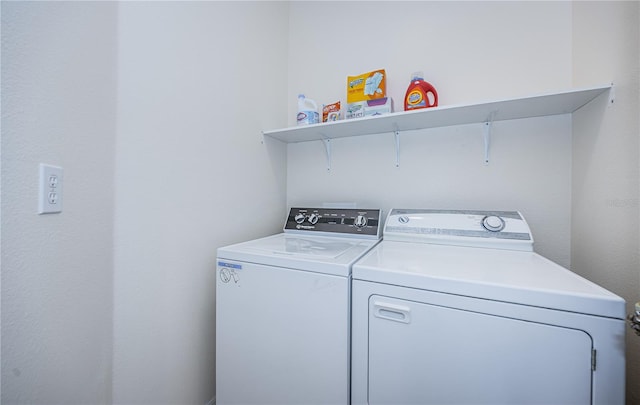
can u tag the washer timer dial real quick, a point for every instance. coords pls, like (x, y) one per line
(360, 221)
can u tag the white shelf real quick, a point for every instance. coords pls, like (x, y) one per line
(526, 107)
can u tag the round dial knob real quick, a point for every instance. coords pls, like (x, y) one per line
(493, 223)
(299, 218)
(313, 219)
(360, 221)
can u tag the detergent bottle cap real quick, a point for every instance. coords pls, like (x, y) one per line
(417, 76)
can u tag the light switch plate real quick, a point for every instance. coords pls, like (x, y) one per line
(50, 194)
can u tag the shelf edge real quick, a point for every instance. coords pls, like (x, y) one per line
(388, 122)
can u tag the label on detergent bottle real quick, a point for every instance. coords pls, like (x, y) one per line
(307, 117)
(416, 99)
(307, 111)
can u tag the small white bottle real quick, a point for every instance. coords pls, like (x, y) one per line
(307, 111)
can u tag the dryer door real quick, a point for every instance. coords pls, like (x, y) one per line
(428, 354)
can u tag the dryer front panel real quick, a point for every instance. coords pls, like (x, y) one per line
(428, 354)
(413, 346)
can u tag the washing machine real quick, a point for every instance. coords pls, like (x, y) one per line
(455, 307)
(283, 309)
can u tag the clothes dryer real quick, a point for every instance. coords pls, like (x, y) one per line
(283, 309)
(454, 307)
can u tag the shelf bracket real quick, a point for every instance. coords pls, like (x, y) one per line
(612, 95)
(487, 140)
(486, 131)
(327, 148)
(397, 135)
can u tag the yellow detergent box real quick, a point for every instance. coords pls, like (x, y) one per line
(367, 86)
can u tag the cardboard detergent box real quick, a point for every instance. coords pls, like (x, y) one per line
(369, 108)
(378, 106)
(364, 89)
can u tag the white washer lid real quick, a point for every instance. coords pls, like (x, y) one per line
(518, 277)
(329, 255)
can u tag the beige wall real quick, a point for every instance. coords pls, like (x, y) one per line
(197, 82)
(575, 179)
(155, 112)
(58, 107)
(604, 243)
(471, 52)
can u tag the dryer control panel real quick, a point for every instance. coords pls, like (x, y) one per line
(492, 229)
(335, 221)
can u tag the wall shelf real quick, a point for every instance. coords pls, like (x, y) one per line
(525, 107)
(565, 102)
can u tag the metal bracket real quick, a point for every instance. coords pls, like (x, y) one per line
(486, 130)
(612, 95)
(397, 134)
(487, 140)
(327, 148)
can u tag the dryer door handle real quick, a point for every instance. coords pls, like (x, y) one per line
(392, 312)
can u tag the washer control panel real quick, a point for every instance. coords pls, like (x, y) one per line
(335, 221)
(493, 229)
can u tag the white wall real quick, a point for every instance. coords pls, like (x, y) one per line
(58, 107)
(471, 52)
(604, 244)
(198, 81)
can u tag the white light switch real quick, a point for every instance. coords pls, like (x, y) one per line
(50, 194)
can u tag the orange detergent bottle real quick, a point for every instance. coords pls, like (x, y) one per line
(420, 94)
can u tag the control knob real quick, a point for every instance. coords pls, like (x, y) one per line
(493, 223)
(299, 218)
(360, 221)
(313, 219)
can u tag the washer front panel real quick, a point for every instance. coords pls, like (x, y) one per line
(282, 335)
